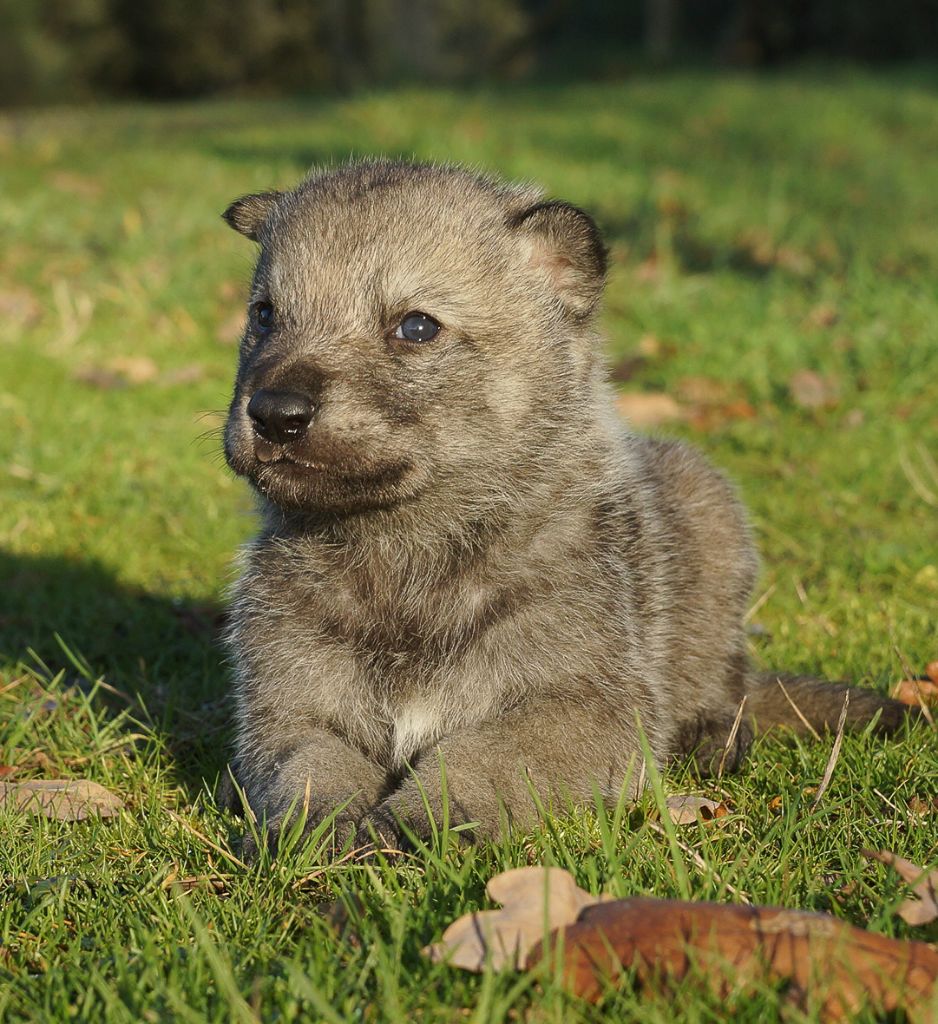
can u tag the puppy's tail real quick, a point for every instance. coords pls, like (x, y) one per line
(807, 705)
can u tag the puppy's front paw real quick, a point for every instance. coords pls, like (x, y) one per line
(275, 833)
(381, 830)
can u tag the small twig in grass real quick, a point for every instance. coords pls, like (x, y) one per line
(113, 690)
(797, 711)
(835, 752)
(357, 855)
(731, 739)
(208, 842)
(910, 672)
(12, 685)
(923, 702)
(911, 474)
(769, 591)
(701, 863)
(886, 800)
(121, 741)
(911, 675)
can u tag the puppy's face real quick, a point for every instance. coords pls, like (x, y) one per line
(406, 331)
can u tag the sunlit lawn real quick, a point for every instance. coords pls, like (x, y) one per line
(759, 228)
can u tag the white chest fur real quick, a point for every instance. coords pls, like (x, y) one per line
(416, 726)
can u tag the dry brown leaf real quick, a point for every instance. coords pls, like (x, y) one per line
(134, 369)
(649, 271)
(19, 307)
(625, 367)
(648, 409)
(796, 261)
(923, 805)
(923, 883)
(916, 692)
(535, 901)
(811, 390)
(702, 391)
(710, 417)
(119, 372)
(183, 375)
(686, 809)
(77, 184)
(63, 799)
(213, 883)
(823, 315)
(828, 964)
(230, 329)
(708, 404)
(649, 345)
(229, 290)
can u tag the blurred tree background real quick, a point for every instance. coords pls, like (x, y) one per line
(73, 50)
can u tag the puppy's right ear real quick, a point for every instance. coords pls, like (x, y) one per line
(249, 213)
(565, 246)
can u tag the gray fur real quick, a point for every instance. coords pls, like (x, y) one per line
(469, 557)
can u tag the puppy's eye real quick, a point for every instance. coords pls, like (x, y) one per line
(417, 327)
(263, 316)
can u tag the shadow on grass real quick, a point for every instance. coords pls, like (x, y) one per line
(162, 652)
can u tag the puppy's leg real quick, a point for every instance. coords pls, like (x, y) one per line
(562, 750)
(312, 776)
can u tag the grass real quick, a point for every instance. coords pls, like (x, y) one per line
(760, 227)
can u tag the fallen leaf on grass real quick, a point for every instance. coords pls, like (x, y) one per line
(823, 315)
(916, 692)
(187, 374)
(828, 964)
(686, 810)
(811, 390)
(702, 391)
(923, 805)
(625, 368)
(648, 409)
(63, 799)
(924, 884)
(230, 330)
(710, 417)
(134, 369)
(19, 308)
(131, 371)
(118, 372)
(213, 883)
(534, 900)
(649, 271)
(704, 403)
(79, 185)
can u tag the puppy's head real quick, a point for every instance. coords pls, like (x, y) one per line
(410, 327)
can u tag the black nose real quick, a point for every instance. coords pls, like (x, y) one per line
(280, 416)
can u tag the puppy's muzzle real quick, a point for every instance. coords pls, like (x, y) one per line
(281, 417)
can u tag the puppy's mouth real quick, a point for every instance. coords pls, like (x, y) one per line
(325, 473)
(290, 465)
(271, 453)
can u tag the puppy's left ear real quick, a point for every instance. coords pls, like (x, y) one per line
(566, 246)
(249, 214)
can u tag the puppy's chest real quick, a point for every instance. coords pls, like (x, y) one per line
(396, 679)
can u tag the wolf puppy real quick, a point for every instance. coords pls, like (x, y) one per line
(465, 558)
